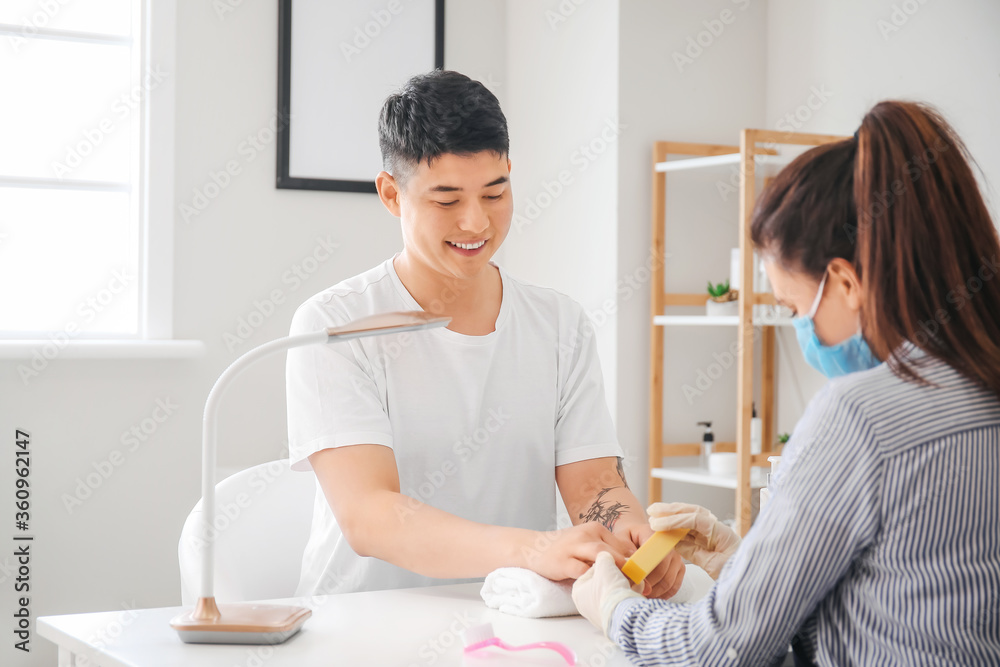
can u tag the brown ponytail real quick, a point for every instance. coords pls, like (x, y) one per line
(901, 203)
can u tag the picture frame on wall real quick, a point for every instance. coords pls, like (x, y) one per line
(337, 63)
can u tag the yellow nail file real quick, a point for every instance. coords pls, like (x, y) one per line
(648, 556)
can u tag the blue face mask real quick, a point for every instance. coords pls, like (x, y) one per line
(832, 361)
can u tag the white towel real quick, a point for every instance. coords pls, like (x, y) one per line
(696, 585)
(521, 592)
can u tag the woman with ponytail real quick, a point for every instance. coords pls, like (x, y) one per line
(881, 542)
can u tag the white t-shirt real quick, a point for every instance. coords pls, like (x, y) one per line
(477, 424)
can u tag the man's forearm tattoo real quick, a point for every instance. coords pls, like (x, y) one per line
(605, 512)
(621, 471)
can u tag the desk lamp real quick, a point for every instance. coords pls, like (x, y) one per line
(250, 622)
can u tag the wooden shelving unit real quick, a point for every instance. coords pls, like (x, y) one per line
(749, 154)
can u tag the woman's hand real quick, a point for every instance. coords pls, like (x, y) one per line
(709, 542)
(569, 553)
(598, 592)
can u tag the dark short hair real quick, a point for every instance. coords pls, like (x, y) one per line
(436, 113)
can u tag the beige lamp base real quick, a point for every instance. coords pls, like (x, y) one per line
(243, 623)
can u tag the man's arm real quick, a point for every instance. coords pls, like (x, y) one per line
(361, 484)
(595, 490)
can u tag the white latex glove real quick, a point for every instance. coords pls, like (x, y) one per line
(600, 590)
(708, 544)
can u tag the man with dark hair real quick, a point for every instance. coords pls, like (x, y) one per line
(438, 453)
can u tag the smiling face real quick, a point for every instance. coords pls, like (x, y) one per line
(454, 213)
(838, 316)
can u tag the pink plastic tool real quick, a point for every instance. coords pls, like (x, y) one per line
(481, 636)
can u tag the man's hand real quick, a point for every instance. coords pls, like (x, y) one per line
(666, 578)
(569, 553)
(595, 491)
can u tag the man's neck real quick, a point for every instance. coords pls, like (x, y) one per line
(473, 303)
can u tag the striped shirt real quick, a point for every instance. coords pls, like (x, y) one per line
(880, 544)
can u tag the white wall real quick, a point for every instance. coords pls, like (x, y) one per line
(562, 110)
(119, 549)
(859, 52)
(708, 99)
(944, 53)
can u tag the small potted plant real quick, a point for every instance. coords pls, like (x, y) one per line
(722, 300)
(782, 440)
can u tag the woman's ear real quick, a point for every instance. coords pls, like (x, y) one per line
(388, 192)
(845, 278)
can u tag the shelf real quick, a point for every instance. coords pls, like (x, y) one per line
(756, 158)
(697, 320)
(713, 161)
(699, 475)
(715, 320)
(698, 162)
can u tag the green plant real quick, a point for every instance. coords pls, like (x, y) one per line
(718, 290)
(783, 437)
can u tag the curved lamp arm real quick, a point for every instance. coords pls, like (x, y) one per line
(375, 325)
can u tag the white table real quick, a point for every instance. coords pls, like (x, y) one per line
(413, 627)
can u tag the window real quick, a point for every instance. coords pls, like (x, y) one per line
(81, 176)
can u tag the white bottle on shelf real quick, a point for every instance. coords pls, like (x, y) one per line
(735, 274)
(707, 444)
(765, 283)
(765, 493)
(763, 311)
(734, 268)
(756, 432)
(760, 282)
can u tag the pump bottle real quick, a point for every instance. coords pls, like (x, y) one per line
(707, 443)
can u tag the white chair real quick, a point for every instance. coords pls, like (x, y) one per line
(263, 517)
